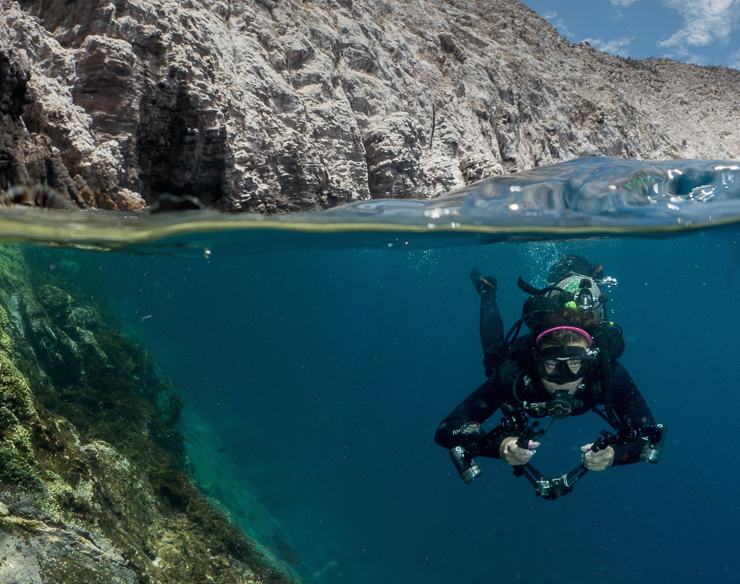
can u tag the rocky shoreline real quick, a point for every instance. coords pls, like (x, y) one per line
(286, 106)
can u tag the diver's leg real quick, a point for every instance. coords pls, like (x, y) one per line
(491, 324)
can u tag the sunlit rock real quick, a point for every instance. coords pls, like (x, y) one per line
(290, 106)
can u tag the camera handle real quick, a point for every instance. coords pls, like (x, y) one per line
(654, 436)
(514, 422)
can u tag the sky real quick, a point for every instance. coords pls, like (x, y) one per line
(703, 32)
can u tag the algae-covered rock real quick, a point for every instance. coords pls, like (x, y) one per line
(17, 415)
(85, 317)
(57, 302)
(33, 552)
(14, 275)
(5, 342)
(93, 487)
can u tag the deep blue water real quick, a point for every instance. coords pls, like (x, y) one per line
(329, 371)
(324, 373)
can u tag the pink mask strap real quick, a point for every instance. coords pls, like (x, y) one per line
(566, 328)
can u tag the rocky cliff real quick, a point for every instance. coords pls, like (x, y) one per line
(290, 105)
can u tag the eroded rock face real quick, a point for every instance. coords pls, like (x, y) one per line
(287, 105)
(25, 157)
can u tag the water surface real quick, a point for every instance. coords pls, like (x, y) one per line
(317, 355)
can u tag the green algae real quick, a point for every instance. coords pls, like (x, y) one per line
(122, 402)
(88, 432)
(22, 437)
(55, 301)
(17, 410)
(14, 273)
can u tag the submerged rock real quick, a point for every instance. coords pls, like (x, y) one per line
(56, 302)
(85, 317)
(93, 487)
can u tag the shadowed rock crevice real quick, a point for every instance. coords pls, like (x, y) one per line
(26, 158)
(179, 151)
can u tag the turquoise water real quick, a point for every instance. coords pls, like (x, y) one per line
(317, 355)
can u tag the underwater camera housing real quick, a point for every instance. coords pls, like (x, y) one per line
(554, 487)
(551, 488)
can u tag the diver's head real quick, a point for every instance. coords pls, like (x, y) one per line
(577, 283)
(563, 366)
(563, 352)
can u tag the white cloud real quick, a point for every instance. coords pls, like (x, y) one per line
(682, 54)
(734, 60)
(623, 3)
(559, 24)
(705, 22)
(618, 46)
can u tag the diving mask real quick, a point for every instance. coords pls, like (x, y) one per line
(561, 365)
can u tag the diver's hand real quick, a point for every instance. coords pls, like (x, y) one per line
(516, 455)
(597, 460)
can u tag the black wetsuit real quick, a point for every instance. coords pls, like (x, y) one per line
(504, 374)
(627, 403)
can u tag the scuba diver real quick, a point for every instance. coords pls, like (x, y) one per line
(566, 367)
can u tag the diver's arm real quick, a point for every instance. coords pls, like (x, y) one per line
(477, 407)
(632, 410)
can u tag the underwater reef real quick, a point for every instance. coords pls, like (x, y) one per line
(94, 479)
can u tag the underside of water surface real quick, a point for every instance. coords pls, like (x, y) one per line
(254, 399)
(580, 198)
